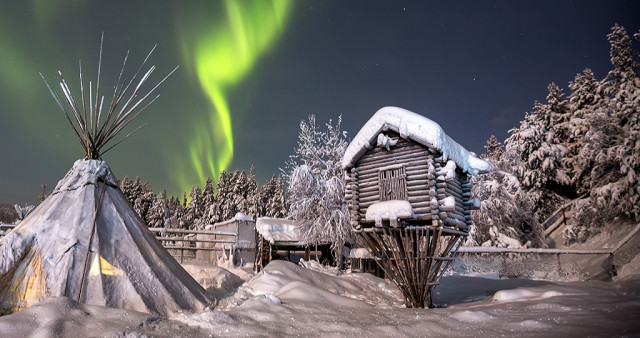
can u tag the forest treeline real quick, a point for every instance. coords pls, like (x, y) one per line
(582, 146)
(235, 192)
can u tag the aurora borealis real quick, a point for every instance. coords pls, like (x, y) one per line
(224, 52)
(251, 70)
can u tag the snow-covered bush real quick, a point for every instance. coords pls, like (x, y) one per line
(506, 210)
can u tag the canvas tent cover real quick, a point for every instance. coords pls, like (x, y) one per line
(85, 242)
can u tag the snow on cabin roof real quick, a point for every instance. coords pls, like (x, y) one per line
(417, 128)
(279, 230)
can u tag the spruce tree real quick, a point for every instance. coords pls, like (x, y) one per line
(494, 148)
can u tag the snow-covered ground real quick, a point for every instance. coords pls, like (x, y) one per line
(290, 300)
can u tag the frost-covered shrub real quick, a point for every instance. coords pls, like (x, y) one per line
(506, 210)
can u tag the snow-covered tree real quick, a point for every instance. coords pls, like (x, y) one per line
(252, 193)
(208, 201)
(506, 216)
(494, 148)
(612, 150)
(224, 207)
(585, 98)
(195, 209)
(144, 197)
(538, 159)
(316, 183)
(126, 186)
(159, 213)
(271, 198)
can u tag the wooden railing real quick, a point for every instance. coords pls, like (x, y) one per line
(559, 217)
(187, 240)
(618, 255)
(5, 228)
(180, 240)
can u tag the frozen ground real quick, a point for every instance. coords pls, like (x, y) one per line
(290, 300)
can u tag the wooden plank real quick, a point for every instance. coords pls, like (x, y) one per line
(426, 204)
(418, 189)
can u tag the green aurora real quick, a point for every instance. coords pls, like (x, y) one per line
(222, 53)
(219, 43)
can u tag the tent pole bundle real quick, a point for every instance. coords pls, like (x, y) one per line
(87, 119)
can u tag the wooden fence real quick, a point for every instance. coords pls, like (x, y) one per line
(5, 228)
(551, 264)
(181, 243)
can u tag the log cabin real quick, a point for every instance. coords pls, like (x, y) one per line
(402, 169)
(409, 198)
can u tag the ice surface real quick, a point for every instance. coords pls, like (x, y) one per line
(415, 127)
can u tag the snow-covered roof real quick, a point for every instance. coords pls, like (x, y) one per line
(278, 230)
(417, 128)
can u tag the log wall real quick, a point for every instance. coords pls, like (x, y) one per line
(417, 162)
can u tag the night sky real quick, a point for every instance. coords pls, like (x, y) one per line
(251, 70)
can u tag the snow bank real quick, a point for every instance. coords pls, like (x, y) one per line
(278, 229)
(471, 316)
(417, 128)
(359, 305)
(291, 282)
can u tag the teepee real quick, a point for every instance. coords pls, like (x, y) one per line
(85, 241)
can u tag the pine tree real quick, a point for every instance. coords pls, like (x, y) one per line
(538, 164)
(252, 193)
(612, 150)
(271, 198)
(126, 186)
(208, 201)
(159, 214)
(584, 100)
(278, 203)
(494, 148)
(622, 56)
(224, 195)
(194, 211)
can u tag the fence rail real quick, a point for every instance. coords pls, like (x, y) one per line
(187, 240)
(183, 240)
(568, 264)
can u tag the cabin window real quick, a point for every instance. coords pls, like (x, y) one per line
(392, 184)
